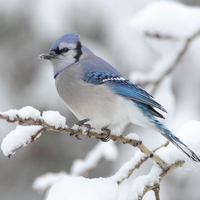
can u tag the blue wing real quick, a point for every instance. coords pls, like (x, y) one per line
(124, 87)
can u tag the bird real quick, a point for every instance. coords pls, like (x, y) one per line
(96, 92)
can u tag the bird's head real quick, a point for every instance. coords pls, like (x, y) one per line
(65, 51)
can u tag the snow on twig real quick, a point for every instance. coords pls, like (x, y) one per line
(165, 65)
(27, 113)
(142, 184)
(44, 182)
(166, 158)
(165, 32)
(174, 159)
(84, 188)
(127, 168)
(20, 137)
(107, 151)
(60, 127)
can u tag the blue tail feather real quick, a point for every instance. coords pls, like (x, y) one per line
(176, 141)
(167, 133)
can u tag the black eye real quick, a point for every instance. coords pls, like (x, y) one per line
(64, 50)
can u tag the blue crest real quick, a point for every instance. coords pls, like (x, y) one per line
(68, 38)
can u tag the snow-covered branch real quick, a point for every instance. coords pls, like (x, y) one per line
(20, 137)
(82, 188)
(151, 181)
(53, 121)
(107, 151)
(166, 64)
(130, 166)
(43, 183)
(30, 124)
(170, 42)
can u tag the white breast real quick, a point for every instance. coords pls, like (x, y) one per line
(96, 102)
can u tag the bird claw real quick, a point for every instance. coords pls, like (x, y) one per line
(77, 136)
(88, 126)
(106, 138)
(82, 123)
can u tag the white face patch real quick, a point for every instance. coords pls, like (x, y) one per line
(69, 46)
(114, 79)
(68, 57)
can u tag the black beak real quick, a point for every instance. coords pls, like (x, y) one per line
(49, 56)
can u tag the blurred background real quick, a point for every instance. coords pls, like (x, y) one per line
(27, 29)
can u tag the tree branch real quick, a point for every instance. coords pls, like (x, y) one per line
(177, 58)
(81, 131)
(142, 184)
(162, 174)
(156, 191)
(38, 123)
(127, 169)
(154, 77)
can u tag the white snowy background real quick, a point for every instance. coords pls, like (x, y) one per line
(121, 33)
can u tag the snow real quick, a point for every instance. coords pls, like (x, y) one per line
(23, 113)
(141, 182)
(132, 136)
(167, 18)
(83, 128)
(110, 151)
(80, 188)
(44, 182)
(127, 167)
(18, 138)
(166, 98)
(76, 127)
(164, 64)
(189, 133)
(169, 34)
(54, 118)
(166, 34)
(107, 151)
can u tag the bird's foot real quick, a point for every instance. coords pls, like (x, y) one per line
(82, 123)
(77, 136)
(106, 138)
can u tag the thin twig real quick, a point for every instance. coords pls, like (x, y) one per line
(177, 59)
(156, 191)
(131, 169)
(163, 174)
(171, 66)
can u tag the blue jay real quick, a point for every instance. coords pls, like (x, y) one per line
(94, 90)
